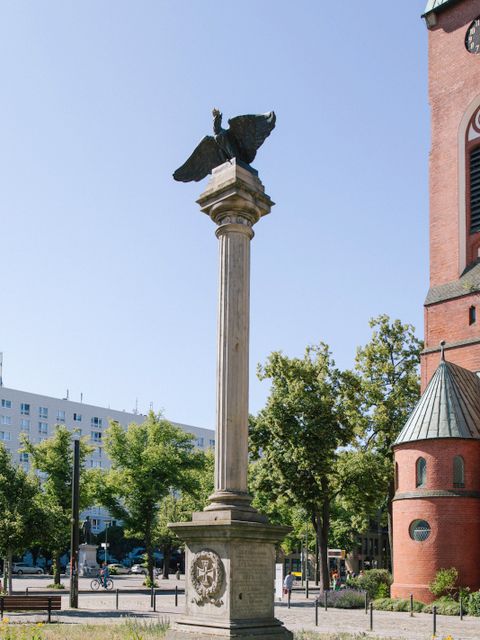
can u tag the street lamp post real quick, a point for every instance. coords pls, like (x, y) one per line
(106, 542)
(75, 529)
(306, 562)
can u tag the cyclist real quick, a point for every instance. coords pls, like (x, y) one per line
(104, 574)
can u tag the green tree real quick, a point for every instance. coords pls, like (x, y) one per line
(384, 388)
(118, 545)
(53, 457)
(179, 506)
(299, 434)
(149, 461)
(360, 485)
(21, 514)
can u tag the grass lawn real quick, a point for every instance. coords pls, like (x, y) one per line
(131, 629)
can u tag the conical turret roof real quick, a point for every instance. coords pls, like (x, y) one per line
(448, 408)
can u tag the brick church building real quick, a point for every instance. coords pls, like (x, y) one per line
(436, 509)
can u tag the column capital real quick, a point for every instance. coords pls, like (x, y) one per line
(235, 195)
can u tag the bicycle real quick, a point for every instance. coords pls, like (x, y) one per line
(96, 583)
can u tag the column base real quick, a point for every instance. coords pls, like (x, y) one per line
(230, 505)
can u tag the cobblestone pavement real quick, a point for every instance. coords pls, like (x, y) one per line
(100, 609)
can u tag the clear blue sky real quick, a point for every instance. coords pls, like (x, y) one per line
(109, 269)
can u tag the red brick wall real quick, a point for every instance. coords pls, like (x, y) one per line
(454, 521)
(468, 357)
(454, 81)
(449, 321)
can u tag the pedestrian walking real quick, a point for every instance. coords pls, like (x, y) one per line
(288, 585)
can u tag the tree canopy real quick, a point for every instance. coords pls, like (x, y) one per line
(21, 513)
(149, 461)
(299, 434)
(53, 457)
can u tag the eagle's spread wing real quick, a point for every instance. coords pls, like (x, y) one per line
(250, 132)
(206, 157)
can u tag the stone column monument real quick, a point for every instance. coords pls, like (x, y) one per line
(230, 547)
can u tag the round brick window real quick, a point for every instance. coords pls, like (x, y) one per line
(419, 530)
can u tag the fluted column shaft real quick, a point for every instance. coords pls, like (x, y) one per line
(231, 461)
(235, 200)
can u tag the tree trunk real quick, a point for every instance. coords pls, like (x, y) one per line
(5, 575)
(166, 562)
(9, 573)
(34, 551)
(56, 567)
(149, 550)
(322, 528)
(391, 495)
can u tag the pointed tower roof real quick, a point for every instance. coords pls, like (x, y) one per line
(448, 408)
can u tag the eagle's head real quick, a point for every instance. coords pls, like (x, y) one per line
(217, 121)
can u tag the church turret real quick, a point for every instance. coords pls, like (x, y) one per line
(437, 485)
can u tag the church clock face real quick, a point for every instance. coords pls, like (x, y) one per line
(472, 39)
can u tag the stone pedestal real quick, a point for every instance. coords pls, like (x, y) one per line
(229, 579)
(230, 547)
(87, 560)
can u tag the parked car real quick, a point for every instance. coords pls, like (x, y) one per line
(138, 569)
(22, 567)
(118, 569)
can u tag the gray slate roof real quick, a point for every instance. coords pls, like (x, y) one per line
(469, 282)
(449, 407)
(434, 5)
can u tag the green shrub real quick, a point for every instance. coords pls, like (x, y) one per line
(383, 591)
(382, 604)
(370, 582)
(397, 604)
(472, 604)
(400, 604)
(149, 584)
(446, 606)
(444, 583)
(56, 586)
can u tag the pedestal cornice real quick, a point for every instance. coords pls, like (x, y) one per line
(224, 529)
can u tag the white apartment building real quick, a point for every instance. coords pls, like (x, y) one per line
(36, 416)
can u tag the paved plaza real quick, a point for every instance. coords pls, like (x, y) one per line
(134, 601)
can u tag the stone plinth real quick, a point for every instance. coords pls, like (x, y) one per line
(229, 581)
(87, 560)
(230, 547)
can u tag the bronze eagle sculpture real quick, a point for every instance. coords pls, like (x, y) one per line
(241, 141)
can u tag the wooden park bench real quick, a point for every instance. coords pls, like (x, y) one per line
(31, 603)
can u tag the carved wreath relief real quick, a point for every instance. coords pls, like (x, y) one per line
(207, 574)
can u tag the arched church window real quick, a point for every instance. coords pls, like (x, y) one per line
(475, 190)
(458, 472)
(472, 315)
(421, 472)
(472, 177)
(396, 476)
